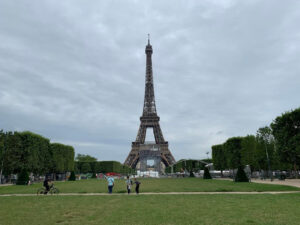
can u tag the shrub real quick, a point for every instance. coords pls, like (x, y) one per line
(72, 176)
(241, 175)
(206, 173)
(85, 168)
(23, 178)
(192, 174)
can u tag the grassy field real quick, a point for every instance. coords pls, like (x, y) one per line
(151, 185)
(228, 209)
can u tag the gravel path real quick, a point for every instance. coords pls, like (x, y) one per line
(161, 193)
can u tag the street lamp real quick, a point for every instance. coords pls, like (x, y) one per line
(268, 160)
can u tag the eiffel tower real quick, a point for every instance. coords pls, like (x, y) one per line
(142, 151)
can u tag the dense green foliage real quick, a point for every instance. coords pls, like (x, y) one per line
(233, 152)
(241, 175)
(85, 158)
(275, 147)
(218, 157)
(206, 174)
(72, 176)
(286, 130)
(33, 153)
(250, 150)
(63, 157)
(23, 178)
(102, 167)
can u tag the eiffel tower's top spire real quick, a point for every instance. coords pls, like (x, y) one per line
(149, 48)
(149, 100)
(148, 39)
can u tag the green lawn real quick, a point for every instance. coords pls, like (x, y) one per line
(228, 209)
(152, 185)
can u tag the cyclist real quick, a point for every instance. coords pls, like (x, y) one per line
(46, 185)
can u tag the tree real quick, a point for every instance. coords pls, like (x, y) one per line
(72, 176)
(14, 156)
(23, 178)
(206, 174)
(85, 158)
(232, 149)
(241, 175)
(266, 141)
(63, 157)
(35, 152)
(2, 152)
(248, 152)
(286, 130)
(219, 158)
(85, 168)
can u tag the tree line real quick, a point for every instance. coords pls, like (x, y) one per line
(33, 153)
(89, 164)
(274, 147)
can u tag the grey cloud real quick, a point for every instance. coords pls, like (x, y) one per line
(74, 71)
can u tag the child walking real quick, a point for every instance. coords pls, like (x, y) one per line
(128, 184)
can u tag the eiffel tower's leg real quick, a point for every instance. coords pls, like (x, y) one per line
(159, 138)
(133, 156)
(141, 134)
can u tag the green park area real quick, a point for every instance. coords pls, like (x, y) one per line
(120, 208)
(152, 209)
(152, 185)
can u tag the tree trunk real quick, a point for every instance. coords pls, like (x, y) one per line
(295, 169)
(1, 171)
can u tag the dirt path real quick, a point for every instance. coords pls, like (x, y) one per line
(160, 193)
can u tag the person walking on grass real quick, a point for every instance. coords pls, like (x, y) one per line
(137, 186)
(128, 184)
(110, 183)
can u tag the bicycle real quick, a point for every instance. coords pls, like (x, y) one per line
(42, 190)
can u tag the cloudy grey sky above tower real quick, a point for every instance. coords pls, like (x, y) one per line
(74, 71)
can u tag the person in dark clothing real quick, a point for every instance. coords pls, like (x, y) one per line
(46, 185)
(137, 186)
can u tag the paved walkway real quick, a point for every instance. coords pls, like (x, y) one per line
(289, 182)
(3, 185)
(161, 193)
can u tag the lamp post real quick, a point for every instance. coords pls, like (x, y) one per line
(2, 161)
(268, 160)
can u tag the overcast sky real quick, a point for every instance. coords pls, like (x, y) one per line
(74, 71)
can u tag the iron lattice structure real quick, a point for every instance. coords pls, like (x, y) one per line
(140, 150)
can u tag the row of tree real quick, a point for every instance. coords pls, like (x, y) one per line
(102, 167)
(275, 147)
(27, 151)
